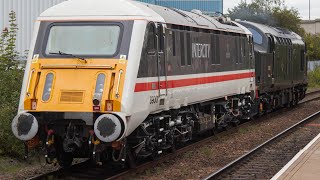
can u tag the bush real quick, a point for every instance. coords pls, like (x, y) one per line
(10, 83)
(314, 77)
(313, 46)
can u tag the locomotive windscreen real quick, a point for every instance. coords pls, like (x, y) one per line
(84, 39)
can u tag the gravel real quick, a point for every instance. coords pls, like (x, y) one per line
(204, 160)
(35, 166)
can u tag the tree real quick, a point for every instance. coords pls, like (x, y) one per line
(251, 12)
(289, 19)
(269, 4)
(269, 12)
(8, 44)
(10, 82)
(313, 46)
(276, 13)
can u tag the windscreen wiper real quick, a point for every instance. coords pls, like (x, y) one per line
(71, 55)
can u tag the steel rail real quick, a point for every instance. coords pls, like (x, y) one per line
(245, 156)
(310, 94)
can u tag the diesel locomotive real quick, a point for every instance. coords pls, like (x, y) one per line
(120, 80)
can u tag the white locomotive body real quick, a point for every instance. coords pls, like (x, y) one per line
(105, 77)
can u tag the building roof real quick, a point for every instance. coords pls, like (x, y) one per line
(310, 21)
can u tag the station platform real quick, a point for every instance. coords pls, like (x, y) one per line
(303, 166)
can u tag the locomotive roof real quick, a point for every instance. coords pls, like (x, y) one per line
(127, 9)
(278, 32)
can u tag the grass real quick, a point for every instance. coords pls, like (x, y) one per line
(314, 78)
(207, 151)
(243, 130)
(8, 165)
(188, 154)
(12, 165)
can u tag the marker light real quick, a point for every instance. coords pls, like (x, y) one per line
(109, 105)
(33, 104)
(47, 87)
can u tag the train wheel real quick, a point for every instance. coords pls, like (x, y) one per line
(235, 123)
(65, 159)
(95, 159)
(173, 148)
(213, 132)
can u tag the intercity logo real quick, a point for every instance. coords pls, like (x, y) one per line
(200, 50)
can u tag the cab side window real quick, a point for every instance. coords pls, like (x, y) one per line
(151, 44)
(152, 68)
(148, 61)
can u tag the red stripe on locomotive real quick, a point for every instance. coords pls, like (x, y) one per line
(140, 87)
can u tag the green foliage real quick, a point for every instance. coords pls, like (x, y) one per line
(276, 13)
(289, 19)
(269, 4)
(314, 77)
(313, 46)
(269, 12)
(251, 12)
(10, 83)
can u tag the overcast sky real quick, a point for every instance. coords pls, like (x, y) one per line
(301, 5)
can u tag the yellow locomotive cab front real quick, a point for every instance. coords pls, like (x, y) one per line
(75, 86)
(77, 67)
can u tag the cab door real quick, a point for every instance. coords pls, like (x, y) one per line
(161, 59)
(271, 58)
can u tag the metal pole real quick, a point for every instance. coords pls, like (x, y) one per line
(309, 10)
(222, 6)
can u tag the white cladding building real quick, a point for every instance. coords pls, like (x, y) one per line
(27, 12)
(311, 26)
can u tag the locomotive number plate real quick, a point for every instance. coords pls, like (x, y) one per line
(154, 99)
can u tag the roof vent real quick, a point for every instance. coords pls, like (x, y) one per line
(196, 11)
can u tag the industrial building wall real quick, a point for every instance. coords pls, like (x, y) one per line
(206, 6)
(311, 26)
(27, 12)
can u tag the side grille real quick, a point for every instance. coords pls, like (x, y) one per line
(71, 97)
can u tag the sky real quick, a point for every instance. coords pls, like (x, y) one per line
(301, 5)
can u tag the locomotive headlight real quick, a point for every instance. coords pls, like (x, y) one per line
(47, 87)
(108, 127)
(99, 89)
(24, 126)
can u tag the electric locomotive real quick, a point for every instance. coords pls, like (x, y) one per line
(117, 81)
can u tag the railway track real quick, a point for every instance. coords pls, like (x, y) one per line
(266, 160)
(311, 96)
(85, 171)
